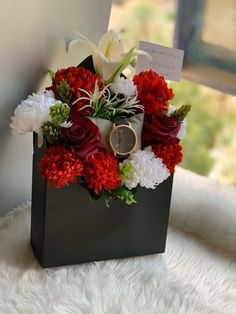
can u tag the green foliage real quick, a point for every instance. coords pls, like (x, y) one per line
(127, 60)
(51, 132)
(125, 170)
(143, 12)
(204, 125)
(51, 74)
(181, 113)
(124, 194)
(121, 192)
(63, 90)
(59, 113)
(211, 121)
(105, 105)
(144, 20)
(134, 61)
(171, 16)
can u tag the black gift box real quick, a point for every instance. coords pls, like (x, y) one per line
(67, 227)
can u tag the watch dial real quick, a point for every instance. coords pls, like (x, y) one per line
(123, 139)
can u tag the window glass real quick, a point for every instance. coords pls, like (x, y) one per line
(206, 30)
(222, 32)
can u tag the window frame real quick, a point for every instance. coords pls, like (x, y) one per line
(205, 63)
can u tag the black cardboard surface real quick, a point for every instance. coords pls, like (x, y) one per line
(68, 228)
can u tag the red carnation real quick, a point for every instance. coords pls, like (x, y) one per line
(171, 154)
(153, 92)
(60, 166)
(102, 172)
(76, 77)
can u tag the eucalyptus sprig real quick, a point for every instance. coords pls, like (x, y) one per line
(104, 104)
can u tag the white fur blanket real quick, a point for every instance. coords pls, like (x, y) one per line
(197, 274)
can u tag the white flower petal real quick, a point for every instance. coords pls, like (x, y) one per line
(148, 171)
(31, 113)
(66, 124)
(104, 66)
(107, 55)
(110, 45)
(182, 131)
(171, 110)
(124, 86)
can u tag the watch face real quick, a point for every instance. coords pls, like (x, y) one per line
(123, 139)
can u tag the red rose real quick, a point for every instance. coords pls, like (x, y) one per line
(83, 137)
(153, 92)
(160, 129)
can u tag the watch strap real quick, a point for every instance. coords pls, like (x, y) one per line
(119, 121)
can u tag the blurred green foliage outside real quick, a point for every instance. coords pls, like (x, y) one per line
(211, 131)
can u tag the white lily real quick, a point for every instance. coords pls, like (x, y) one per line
(109, 58)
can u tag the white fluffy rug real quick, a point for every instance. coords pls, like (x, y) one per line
(197, 274)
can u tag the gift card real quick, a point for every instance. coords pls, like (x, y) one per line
(163, 60)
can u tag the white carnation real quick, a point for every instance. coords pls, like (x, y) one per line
(31, 113)
(182, 131)
(123, 86)
(148, 170)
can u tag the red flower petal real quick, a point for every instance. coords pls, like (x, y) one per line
(171, 154)
(153, 92)
(76, 77)
(60, 166)
(102, 172)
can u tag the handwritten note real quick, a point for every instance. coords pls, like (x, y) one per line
(165, 61)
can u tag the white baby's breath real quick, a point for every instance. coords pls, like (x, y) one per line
(123, 86)
(31, 113)
(148, 170)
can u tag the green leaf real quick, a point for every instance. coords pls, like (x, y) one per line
(107, 197)
(104, 105)
(124, 194)
(181, 112)
(134, 61)
(121, 66)
(125, 170)
(51, 74)
(121, 192)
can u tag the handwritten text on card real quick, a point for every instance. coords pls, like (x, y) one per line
(165, 61)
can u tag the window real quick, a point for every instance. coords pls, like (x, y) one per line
(210, 51)
(206, 31)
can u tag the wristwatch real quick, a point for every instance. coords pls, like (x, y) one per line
(122, 138)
